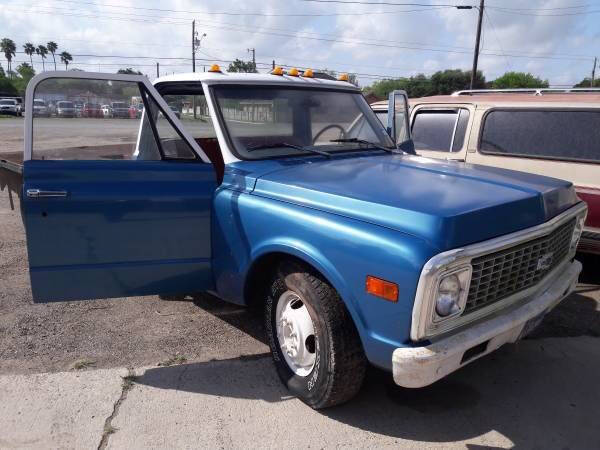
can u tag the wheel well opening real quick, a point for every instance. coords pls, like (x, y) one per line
(259, 275)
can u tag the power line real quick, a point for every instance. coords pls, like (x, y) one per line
(228, 13)
(497, 38)
(533, 14)
(335, 39)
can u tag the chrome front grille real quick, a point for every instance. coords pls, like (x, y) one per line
(501, 274)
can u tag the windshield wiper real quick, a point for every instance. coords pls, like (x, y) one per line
(288, 145)
(372, 144)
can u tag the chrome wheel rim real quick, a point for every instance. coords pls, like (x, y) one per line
(295, 333)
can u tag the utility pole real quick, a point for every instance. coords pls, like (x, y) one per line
(157, 70)
(593, 72)
(193, 45)
(273, 64)
(477, 39)
(253, 57)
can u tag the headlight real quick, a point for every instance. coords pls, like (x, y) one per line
(451, 294)
(579, 222)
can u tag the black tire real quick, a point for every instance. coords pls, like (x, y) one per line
(340, 365)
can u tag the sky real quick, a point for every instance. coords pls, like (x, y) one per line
(554, 39)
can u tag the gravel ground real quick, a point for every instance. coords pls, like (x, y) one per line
(144, 331)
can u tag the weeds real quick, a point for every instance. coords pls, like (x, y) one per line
(83, 363)
(174, 360)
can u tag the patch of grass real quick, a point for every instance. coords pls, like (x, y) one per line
(128, 382)
(83, 363)
(109, 429)
(173, 360)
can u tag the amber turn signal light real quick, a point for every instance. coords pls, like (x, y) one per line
(381, 288)
(277, 71)
(343, 77)
(308, 73)
(293, 72)
(215, 68)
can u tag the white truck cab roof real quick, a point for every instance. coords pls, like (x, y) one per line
(254, 78)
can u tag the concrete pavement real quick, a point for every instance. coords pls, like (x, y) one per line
(536, 394)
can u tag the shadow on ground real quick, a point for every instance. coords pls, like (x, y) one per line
(536, 394)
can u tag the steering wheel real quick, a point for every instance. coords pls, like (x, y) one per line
(328, 127)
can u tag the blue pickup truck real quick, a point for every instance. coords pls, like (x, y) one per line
(285, 192)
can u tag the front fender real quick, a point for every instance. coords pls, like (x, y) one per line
(247, 227)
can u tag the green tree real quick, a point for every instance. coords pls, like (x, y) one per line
(417, 86)
(2, 73)
(7, 87)
(8, 47)
(587, 82)
(516, 80)
(42, 51)
(242, 66)
(129, 71)
(29, 49)
(52, 47)
(440, 83)
(452, 80)
(25, 71)
(66, 58)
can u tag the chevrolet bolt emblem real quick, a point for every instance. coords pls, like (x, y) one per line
(545, 261)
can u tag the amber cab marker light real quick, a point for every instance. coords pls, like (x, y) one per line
(382, 288)
(343, 77)
(308, 73)
(215, 68)
(293, 72)
(277, 71)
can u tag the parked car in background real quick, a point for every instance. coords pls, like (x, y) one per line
(40, 108)
(552, 132)
(135, 111)
(175, 110)
(107, 111)
(65, 109)
(294, 198)
(91, 110)
(9, 106)
(78, 107)
(120, 109)
(20, 106)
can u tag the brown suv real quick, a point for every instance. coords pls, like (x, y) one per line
(551, 132)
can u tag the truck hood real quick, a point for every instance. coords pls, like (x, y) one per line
(449, 204)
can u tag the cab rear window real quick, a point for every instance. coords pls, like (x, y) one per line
(564, 135)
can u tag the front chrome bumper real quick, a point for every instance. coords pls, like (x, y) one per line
(415, 367)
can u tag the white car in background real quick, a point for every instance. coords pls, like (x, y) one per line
(40, 108)
(9, 106)
(107, 111)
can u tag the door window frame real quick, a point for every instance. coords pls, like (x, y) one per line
(142, 82)
(418, 108)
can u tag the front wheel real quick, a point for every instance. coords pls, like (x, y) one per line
(313, 340)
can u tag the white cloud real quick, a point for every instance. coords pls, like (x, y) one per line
(400, 39)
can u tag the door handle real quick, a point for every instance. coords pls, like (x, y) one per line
(37, 193)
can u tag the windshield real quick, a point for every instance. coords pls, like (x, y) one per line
(65, 104)
(259, 117)
(39, 103)
(7, 102)
(119, 105)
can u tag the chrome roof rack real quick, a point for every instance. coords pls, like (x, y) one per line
(534, 91)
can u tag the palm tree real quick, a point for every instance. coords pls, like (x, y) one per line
(52, 47)
(9, 49)
(29, 49)
(66, 57)
(42, 51)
